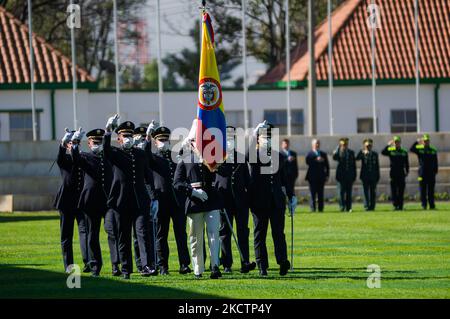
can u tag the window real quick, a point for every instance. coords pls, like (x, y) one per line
(279, 119)
(365, 125)
(403, 121)
(236, 118)
(20, 126)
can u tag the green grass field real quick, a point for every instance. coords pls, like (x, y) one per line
(332, 252)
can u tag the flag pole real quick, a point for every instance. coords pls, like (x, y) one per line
(74, 73)
(374, 83)
(116, 57)
(33, 101)
(416, 31)
(330, 68)
(160, 81)
(288, 70)
(244, 62)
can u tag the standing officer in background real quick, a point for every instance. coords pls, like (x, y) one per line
(345, 173)
(93, 200)
(233, 187)
(129, 197)
(370, 173)
(428, 168)
(398, 157)
(66, 202)
(267, 192)
(317, 174)
(171, 202)
(291, 165)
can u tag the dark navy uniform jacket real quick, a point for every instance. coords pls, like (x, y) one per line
(346, 167)
(317, 172)
(131, 172)
(188, 172)
(370, 167)
(428, 161)
(72, 182)
(97, 181)
(233, 182)
(291, 168)
(399, 161)
(163, 168)
(265, 188)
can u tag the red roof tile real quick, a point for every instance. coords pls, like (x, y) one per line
(395, 44)
(51, 66)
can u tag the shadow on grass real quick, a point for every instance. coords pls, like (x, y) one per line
(14, 217)
(19, 282)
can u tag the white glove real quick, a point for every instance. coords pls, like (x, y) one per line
(78, 135)
(152, 127)
(112, 123)
(191, 135)
(200, 194)
(154, 208)
(255, 131)
(67, 137)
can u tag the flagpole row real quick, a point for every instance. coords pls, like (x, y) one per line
(33, 102)
(244, 62)
(74, 74)
(160, 81)
(116, 57)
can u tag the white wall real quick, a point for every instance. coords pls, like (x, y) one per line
(444, 108)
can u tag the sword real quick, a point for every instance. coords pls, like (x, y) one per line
(232, 232)
(292, 238)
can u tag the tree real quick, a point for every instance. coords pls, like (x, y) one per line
(94, 40)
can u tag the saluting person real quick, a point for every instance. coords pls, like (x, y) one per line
(345, 174)
(428, 169)
(129, 197)
(370, 173)
(66, 202)
(398, 157)
(233, 186)
(93, 200)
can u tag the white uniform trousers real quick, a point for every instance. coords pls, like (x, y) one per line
(196, 223)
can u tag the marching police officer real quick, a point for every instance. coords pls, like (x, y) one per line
(345, 173)
(66, 201)
(93, 200)
(317, 174)
(203, 204)
(129, 197)
(370, 173)
(428, 168)
(171, 202)
(267, 195)
(398, 157)
(233, 186)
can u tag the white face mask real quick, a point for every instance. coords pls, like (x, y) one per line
(163, 146)
(127, 143)
(264, 142)
(96, 148)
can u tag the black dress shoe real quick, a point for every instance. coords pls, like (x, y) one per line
(185, 270)
(227, 270)
(247, 267)
(116, 272)
(95, 274)
(147, 271)
(198, 276)
(215, 273)
(163, 271)
(126, 276)
(86, 269)
(284, 267)
(263, 272)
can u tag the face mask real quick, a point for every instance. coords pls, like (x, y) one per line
(162, 146)
(264, 142)
(127, 143)
(96, 148)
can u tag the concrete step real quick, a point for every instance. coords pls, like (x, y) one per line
(410, 190)
(11, 203)
(28, 168)
(443, 176)
(32, 185)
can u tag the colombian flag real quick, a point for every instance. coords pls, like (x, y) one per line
(211, 126)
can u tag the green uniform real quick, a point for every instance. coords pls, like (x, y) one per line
(370, 175)
(399, 171)
(345, 176)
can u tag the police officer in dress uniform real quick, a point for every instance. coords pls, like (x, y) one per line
(171, 202)
(317, 175)
(66, 202)
(233, 186)
(129, 197)
(370, 173)
(345, 173)
(267, 193)
(203, 204)
(398, 157)
(93, 200)
(428, 168)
